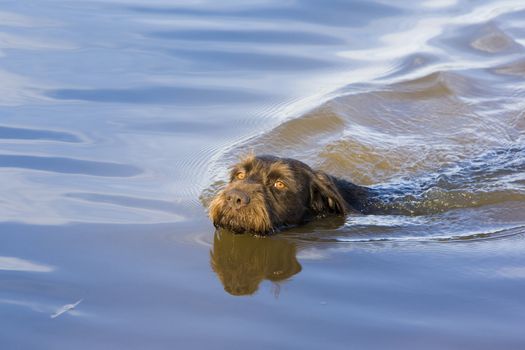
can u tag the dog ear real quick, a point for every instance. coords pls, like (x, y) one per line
(324, 195)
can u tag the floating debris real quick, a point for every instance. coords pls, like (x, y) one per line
(66, 308)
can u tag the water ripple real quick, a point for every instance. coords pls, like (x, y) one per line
(8, 263)
(157, 95)
(253, 61)
(68, 165)
(11, 133)
(247, 36)
(339, 13)
(132, 202)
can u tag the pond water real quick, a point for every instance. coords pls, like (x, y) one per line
(120, 118)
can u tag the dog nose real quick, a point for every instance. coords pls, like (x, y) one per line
(237, 199)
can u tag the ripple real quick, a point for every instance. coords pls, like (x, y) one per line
(36, 134)
(248, 36)
(185, 96)
(386, 220)
(435, 85)
(197, 167)
(179, 126)
(295, 136)
(8, 263)
(16, 89)
(68, 165)
(12, 19)
(492, 39)
(132, 202)
(514, 68)
(379, 134)
(468, 235)
(480, 38)
(253, 61)
(339, 13)
(412, 63)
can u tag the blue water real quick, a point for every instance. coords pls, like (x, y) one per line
(119, 120)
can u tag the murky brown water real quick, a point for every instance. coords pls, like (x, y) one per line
(120, 119)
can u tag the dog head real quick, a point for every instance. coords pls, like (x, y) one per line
(266, 193)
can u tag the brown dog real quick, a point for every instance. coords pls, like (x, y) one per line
(267, 193)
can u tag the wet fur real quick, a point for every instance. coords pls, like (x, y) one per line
(308, 194)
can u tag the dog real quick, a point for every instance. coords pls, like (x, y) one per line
(268, 193)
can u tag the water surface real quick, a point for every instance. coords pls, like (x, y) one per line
(120, 119)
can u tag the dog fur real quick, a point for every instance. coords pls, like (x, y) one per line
(268, 193)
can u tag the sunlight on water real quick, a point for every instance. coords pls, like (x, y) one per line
(386, 220)
(15, 264)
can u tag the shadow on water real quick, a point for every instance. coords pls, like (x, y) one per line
(243, 261)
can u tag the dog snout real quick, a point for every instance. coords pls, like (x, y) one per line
(237, 198)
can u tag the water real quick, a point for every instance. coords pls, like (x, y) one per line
(121, 117)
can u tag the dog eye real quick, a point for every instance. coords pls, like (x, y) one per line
(240, 175)
(279, 185)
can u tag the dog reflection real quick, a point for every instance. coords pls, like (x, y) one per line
(242, 262)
